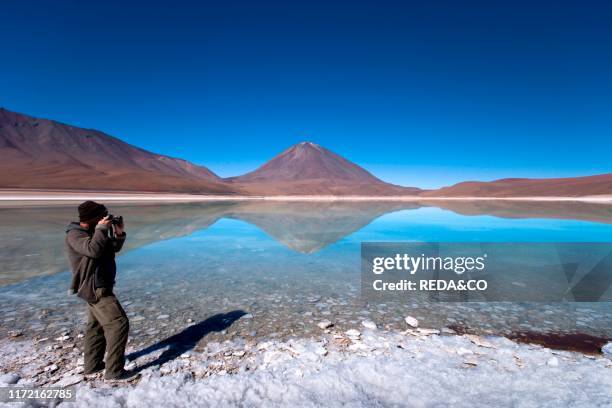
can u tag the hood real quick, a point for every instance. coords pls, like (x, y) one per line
(74, 226)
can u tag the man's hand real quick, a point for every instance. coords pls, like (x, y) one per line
(105, 221)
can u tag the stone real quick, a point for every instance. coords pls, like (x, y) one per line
(470, 363)
(607, 349)
(411, 321)
(427, 332)
(479, 341)
(368, 324)
(130, 366)
(353, 333)
(69, 380)
(325, 324)
(320, 350)
(9, 378)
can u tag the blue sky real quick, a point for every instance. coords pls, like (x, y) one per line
(423, 93)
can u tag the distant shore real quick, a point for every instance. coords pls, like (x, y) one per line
(68, 195)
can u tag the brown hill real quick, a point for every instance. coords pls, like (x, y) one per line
(310, 169)
(522, 187)
(41, 153)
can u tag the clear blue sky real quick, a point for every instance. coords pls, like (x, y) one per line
(422, 93)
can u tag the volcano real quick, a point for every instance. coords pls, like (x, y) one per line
(310, 169)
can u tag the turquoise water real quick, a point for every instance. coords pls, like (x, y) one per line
(289, 265)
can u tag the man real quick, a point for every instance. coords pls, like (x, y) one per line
(91, 244)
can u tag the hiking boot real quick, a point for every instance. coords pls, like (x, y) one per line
(124, 376)
(95, 372)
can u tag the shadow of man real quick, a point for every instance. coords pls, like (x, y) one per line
(187, 339)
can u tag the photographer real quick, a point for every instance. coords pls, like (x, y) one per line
(91, 245)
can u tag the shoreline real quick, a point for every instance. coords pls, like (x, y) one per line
(309, 371)
(55, 196)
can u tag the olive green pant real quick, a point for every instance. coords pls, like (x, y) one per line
(107, 330)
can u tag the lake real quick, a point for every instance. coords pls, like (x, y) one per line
(288, 265)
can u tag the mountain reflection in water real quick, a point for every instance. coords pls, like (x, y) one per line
(32, 236)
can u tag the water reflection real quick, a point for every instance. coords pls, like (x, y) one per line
(31, 237)
(287, 265)
(563, 210)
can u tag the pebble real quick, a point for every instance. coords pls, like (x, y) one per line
(69, 380)
(16, 333)
(163, 316)
(130, 366)
(9, 378)
(470, 363)
(479, 341)
(428, 331)
(607, 350)
(411, 321)
(51, 368)
(353, 333)
(322, 351)
(368, 324)
(324, 324)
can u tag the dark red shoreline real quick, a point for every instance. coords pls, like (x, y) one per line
(580, 342)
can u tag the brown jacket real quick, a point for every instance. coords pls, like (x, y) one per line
(92, 259)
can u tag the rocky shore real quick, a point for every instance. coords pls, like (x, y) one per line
(362, 366)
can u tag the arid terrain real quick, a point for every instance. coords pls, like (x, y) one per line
(45, 155)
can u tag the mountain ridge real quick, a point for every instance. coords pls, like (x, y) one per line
(42, 153)
(45, 154)
(600, 184)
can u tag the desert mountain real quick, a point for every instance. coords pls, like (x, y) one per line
(41, 153)
(310, 169)
(523, 187)
(44, 154)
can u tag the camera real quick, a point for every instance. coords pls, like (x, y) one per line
(115, 219)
